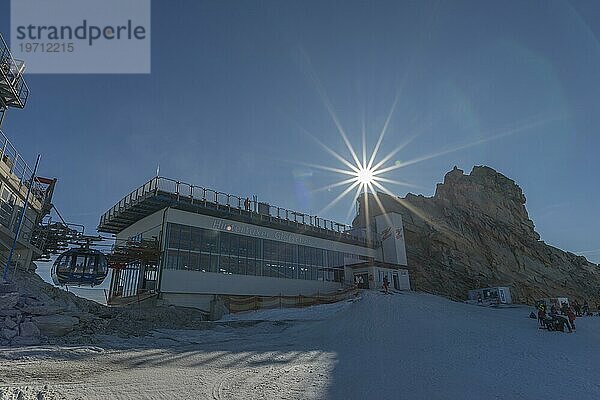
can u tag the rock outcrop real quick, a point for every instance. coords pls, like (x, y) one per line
(475, 232)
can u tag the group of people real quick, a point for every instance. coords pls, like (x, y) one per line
(554, 320)
(583, 310)
(563, 316)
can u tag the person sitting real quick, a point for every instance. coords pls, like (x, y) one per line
(559, 322)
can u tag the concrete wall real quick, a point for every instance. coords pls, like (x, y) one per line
(149, 226)
(200, 301)
(198, 282)
(391, 233)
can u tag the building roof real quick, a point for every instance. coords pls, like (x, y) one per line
(160, 192)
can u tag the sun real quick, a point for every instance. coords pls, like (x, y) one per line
(365, 176)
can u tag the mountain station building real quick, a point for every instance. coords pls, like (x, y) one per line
(211, 243)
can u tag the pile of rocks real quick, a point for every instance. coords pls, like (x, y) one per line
(25, 320)
(34, 312)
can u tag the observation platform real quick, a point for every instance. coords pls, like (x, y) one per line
(14, 92)
(160, 192)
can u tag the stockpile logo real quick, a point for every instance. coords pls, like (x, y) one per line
(82, 36)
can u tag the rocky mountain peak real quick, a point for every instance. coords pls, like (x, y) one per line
(476, 232)
(486, 192)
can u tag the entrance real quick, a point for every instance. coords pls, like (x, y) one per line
(396, 282)
(362, 280)
(502, 296)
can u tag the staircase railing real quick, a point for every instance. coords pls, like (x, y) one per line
(11, 78)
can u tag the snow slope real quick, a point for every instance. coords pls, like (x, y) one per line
(409, 346)
(418, 346)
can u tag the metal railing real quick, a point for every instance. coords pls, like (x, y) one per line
(232, 203)
(19, 168)
(9, 214)
(11, 71)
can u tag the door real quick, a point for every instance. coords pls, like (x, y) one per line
(362, 280)
(396, 282)
(502, 295)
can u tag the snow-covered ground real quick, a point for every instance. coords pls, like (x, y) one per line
(409, 346)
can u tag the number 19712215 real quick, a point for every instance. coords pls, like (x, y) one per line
(40, 47)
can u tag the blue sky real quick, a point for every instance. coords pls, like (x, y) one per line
(237, 88)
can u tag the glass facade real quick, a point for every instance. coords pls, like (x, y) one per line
(199, 249)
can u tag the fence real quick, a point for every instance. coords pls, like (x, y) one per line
(249, 303)
(11, 71)
(17, 166)
(234, 204)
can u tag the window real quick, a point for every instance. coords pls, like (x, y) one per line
(270, 269)
(225, 243)
(91, 264)
(269, 250)
(243, 246)
(290, 271)
(174, 234)
(196, 244)
(184, 260)
(251, 248)
(64, 263)
(185, 240)
(199, 249)
(224, 265)
(251, 267)
(301, 257)
(210, 241)
(194, 261)
(204, 262)
(214, 263)
(242, 266)
(302, 272)
(171, 259)
(234, 245)
(79, 264)
(338, 275)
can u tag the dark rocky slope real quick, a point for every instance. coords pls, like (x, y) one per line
(475, 232)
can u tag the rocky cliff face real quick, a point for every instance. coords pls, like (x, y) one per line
(475, 232)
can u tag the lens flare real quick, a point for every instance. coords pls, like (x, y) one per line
(364, 176)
